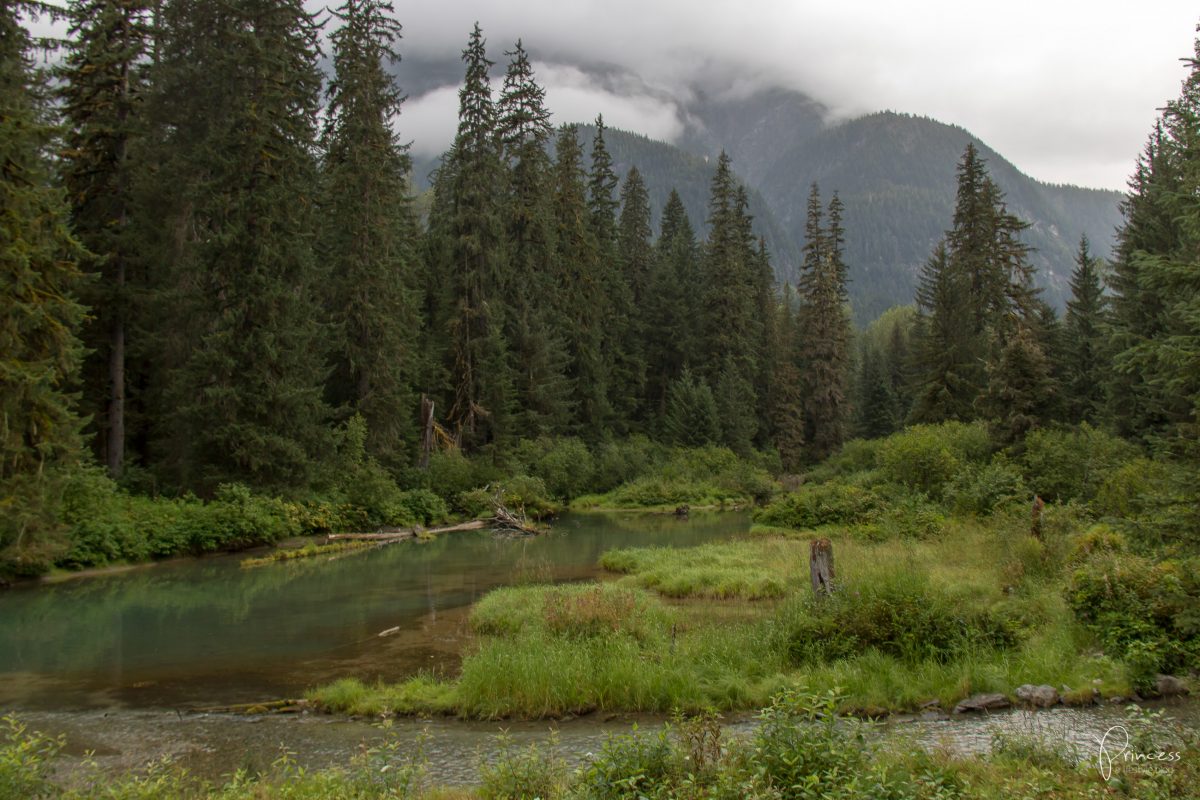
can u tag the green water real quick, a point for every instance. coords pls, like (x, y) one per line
(206, 632)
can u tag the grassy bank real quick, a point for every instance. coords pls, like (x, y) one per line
(944, 590)
(799, 749)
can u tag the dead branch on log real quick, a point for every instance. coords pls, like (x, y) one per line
(409, 533)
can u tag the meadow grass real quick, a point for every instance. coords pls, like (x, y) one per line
(750, 570)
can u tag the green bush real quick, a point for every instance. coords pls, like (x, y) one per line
(1144, 612)
(451, 475)
(899, 613)
(1072, 463)
(520, 774)
(928, 457)
(520, 493)
(981, 490)
(25, 758)
(634, 765)
(823, 504)
(625, 460)
(565, 466)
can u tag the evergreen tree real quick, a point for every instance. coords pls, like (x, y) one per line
(671, 305)
(541, 390)
(582, 303)
(39, 317)
(103, 83)
(1157, 289)
(238, 144)
(1085, 367)
(691, 412)
(1020, 394)
(824, 333)
(876, 408)
(944, 357)
(623, 370)
(479, 366)
(731, 331)
(635, 256)
(369, 232)
(787, 387)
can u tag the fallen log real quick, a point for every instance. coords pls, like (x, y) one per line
(266, 707)
(409, 533)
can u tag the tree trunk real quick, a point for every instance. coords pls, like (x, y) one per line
(820, 566)
(426, 432)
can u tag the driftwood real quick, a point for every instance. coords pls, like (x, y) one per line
(506, 521)
(820, 566)
(1035, 527)
(265, 707)
(409, 533)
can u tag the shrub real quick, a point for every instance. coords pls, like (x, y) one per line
(623, 461)
(451, 474)
(1071, 463)
(520, 494)
(1141, 611)
(634, 765)
(564, 465)
(899, 613)
(519, 774)
(25, 758)
(927, 457)
(981, 490)
(823, 504)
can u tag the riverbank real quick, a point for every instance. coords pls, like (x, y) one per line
(946, 589)
(1006, 754)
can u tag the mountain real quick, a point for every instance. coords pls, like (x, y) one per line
(894, 172)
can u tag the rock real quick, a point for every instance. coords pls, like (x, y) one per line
(934, 703)
(1168, 685)
(982, 702)
(1042, 696)
(933, 716)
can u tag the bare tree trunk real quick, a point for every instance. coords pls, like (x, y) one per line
(820, 567)
(1035, 527)
(426, 432)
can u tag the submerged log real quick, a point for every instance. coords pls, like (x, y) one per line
(289, 706)
(820, 566)
(409, 533)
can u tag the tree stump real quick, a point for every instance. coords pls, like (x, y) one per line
(1035, 528)
(820, 566)
(426, 432)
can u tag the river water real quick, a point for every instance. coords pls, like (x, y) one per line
(115, 662)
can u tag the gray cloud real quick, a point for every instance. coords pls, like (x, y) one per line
(1067, 90)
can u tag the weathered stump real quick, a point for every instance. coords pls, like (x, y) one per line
(1035, 527)
(820, 566)
(426, 432)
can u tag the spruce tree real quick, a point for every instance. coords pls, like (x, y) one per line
(369, 232)
(635, 256)
(236, 99)
(478, 354)
(691, 417)
(103, 85)
(1084, 365)
(944, 356)
(787, 387)
(824, 333)
(672, 305)
(39, 316)
(582, 304)
(541, 391)
(1020, 394)
(876, 407)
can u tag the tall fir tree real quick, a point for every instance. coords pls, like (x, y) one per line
(824, 332)
(672, 305)
(477, 252)
(541, 389)
(1084, 364)
(787, 386)
(103, 83)
(582, 304)
(944, 355)
(369, 232)
(246, 402)
(39, 316)
(635, 256)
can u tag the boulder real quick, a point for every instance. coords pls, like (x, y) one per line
(982, 702)
(1168, 685)
(1042, 696)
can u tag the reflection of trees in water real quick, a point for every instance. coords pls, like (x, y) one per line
(210, 614)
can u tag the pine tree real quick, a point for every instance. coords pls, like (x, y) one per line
(582, 303)
(103, 83)
(691, 418)
(731, 331)
(39, 316)
(1085, 367)
(238, 228)
(876, 408)
(1020, 394)
(944, 355)
(369, 232)
(635, 256)
(824, 333)
(479, 365)
(623, 374)
(671, 305)
(787, 387)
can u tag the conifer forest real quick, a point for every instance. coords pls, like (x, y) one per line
(235, 317)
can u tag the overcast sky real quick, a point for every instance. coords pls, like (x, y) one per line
(1068, 91)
